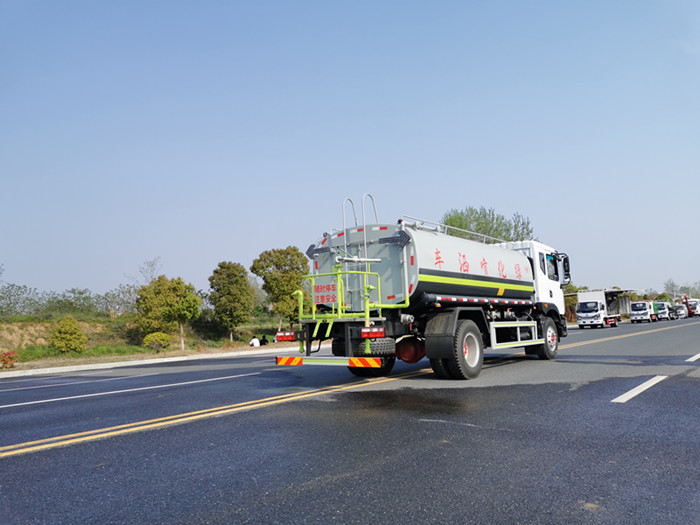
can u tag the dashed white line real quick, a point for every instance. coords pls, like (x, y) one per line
(638, 390)
(693, 359)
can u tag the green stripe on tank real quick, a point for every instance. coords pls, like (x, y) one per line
(471, 282)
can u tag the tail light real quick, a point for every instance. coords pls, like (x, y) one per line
(373, 332)
(286, 336)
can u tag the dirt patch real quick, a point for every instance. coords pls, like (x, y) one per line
(17, 336)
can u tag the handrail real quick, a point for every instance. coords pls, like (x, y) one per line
(444, 227)
(339, 309)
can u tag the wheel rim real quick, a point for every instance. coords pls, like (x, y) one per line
(470, 348)
(551, 338)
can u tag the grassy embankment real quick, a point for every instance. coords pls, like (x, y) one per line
(111, 340)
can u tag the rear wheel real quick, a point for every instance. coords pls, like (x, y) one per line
(385, 346)
(550, 347)
(468, 350)
(440, 368)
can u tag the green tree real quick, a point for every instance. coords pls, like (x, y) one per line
(165, 302)
(281, 272)
(232, 295)
(487, 222)
(67, 337)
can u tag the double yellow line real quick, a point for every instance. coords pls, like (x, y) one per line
(139, 426)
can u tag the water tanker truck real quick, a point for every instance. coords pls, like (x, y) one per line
(410, 290)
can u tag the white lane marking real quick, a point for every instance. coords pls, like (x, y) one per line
(638, 390)
(693, 359)
(74, 383)
(127, 390)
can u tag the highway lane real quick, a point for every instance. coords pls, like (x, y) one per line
(528, 441)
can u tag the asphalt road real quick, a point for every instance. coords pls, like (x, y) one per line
(239, 440)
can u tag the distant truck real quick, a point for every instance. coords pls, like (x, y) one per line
(644, 311)
(601, 308)
(408, 290)
(693, 307)
(666, 311)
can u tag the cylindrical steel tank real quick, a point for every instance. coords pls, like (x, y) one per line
(411, 261)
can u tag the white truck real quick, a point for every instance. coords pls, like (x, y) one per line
(600, 308)
(644, 311)
(666, 311)
(410, 290)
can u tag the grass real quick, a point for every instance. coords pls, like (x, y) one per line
(39, 352)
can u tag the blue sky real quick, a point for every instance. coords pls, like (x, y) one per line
(200, 132)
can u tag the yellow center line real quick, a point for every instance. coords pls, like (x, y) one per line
(91, 435)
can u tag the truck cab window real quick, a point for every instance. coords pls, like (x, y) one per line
(542, 264)
(552, 270)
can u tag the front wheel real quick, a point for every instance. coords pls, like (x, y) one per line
(468, 351)
(550, 347)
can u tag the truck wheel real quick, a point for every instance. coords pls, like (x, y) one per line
(377, 347)
(550, 347)
(384, 370)
(440, 368)
(468, 349)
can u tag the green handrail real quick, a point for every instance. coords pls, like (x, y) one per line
(339, 309)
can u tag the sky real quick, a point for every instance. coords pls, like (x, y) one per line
(201, 132)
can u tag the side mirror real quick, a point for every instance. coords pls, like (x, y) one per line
(566, 266)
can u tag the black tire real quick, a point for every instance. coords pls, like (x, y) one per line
(468, 351)
(384, 370)
(550, 347)
(440, 368)
(386, 346)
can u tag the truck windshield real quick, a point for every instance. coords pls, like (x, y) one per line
(662, 307)
(587, 308)
(639, 307)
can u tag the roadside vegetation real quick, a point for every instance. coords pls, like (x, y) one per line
(154, 315)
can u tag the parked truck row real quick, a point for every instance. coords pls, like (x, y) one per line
(414, 289)
(602, 308)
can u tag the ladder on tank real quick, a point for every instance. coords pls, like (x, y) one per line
(359, 262)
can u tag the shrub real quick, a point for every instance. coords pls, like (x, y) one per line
(157, 341)
(7, 359)
(67, 337)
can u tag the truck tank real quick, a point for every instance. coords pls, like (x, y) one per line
(399, 263)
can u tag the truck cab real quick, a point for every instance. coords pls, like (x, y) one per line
(666, 311)
(590, 313)
(644, 311)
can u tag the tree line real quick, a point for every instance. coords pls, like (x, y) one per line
(162, 304)
(165, 305)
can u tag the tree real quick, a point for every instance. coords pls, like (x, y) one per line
(165, 302)
(232, 295)
(487, 222)
(281, 272)
(67, 337)
(148, 270)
